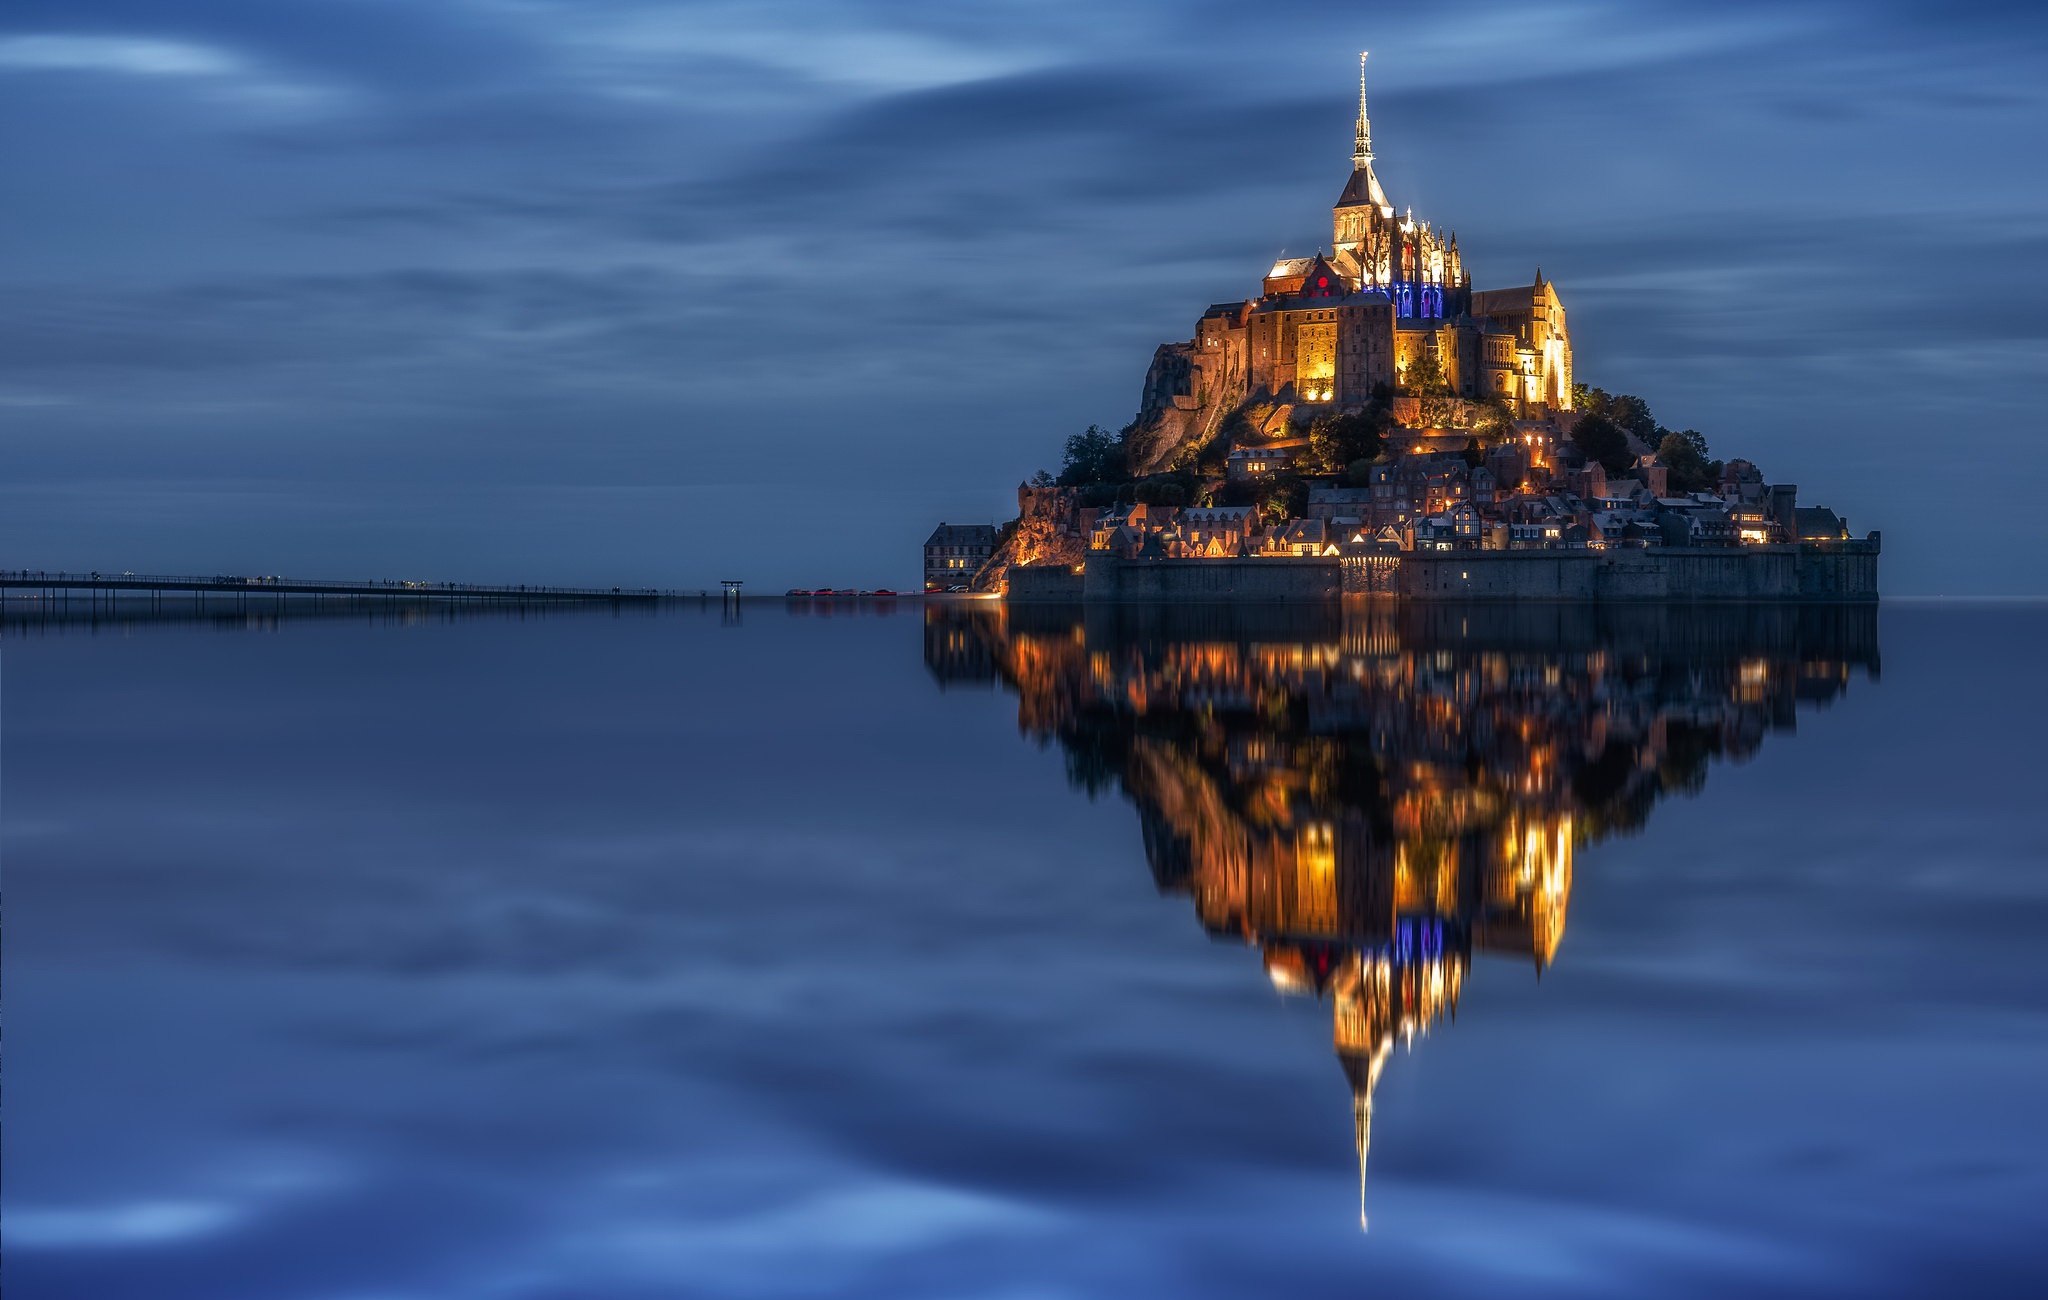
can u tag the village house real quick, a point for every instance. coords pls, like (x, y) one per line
(954, 553)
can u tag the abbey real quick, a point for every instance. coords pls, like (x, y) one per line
(1370, 425)
(1389, 307)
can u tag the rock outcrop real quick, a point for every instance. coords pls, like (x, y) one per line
(1047, 531)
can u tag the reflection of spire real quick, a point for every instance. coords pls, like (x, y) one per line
(1361, 152)
(1370, 862)
(1361, 1123)
(1363, 1027)
(1363, 1068)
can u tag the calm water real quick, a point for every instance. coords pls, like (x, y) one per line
(968, 956)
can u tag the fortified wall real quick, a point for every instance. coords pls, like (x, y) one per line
(1833, 571)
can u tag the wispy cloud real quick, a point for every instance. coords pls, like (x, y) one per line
(501, 213)
(215, 69)
(137, 1223)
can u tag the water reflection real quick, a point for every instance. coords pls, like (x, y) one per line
(1371, 795)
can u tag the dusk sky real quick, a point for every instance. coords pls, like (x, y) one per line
(668, 293)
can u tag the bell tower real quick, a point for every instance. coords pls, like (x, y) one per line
(1362, 212)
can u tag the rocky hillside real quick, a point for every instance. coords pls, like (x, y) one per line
(1046, 531)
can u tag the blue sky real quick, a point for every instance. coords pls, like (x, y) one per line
(634, 292)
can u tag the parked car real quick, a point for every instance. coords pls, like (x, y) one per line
(957, 587)
(882, 591)
(796, 591)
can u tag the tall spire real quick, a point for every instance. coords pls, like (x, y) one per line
(1361, 1126)
(1361, 152)
(1363, 189)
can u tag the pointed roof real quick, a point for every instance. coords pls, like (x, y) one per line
(1319, 279)
(1363, 187)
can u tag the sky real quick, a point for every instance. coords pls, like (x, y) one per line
(624, 292)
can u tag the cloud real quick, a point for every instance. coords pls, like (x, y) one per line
(565, 221)
(137, 1223)
(843, 1229)
(220, 71)
(133, 56)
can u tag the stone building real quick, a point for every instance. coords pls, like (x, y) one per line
(954, 553)
(1390, 304)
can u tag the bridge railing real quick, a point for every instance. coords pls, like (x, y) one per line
(272, 582)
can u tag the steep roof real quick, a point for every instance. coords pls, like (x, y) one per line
(1490, 302)
(1816, 522)
(1363, 188)
(962, 535)
(1321, 280)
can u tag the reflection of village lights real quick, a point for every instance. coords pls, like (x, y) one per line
(1382, 920)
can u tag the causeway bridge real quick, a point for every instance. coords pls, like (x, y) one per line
(53, 585)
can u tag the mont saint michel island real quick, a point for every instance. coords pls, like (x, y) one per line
(1370, 424)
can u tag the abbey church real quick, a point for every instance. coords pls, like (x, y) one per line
(1388, 307)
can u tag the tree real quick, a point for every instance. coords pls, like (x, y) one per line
(1692, 438)
(1685, 458)
(1337, 440)
(1278, 496)
(1633, 415)
(1603, 440)
(1165, 490)
(1096, 456)
(1491, 418)
(1281, 498)
(1042, 480)
(1358, 474)
(1629, 413)
(1475, 456)
(1425, 375)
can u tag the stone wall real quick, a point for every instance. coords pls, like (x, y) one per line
(1275, 579)
(1843, 571)
(1045, 584)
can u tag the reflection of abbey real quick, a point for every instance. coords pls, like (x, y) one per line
(1372, 797)
(1391, 297)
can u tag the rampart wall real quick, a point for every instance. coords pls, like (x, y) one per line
(1045, 584)
(1252, 581)
(1834, 571)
